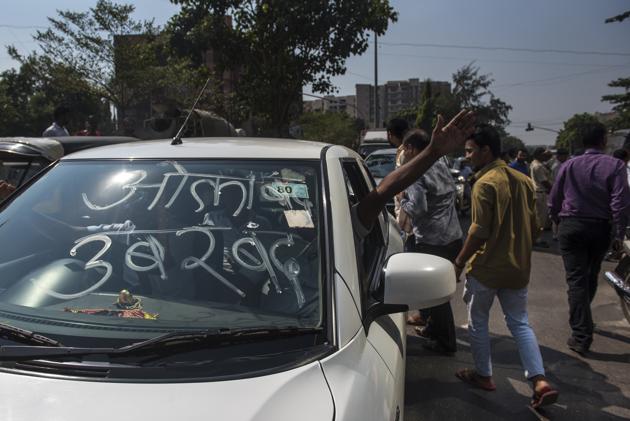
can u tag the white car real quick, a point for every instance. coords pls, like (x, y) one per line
(217, 279)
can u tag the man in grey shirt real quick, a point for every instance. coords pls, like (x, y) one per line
(430, 203)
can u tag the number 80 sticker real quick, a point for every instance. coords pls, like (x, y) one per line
(299, 191)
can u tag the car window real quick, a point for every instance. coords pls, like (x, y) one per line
(166, 245)
(369, 251)
(380, 165)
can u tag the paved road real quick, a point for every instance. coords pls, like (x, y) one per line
(592, 388)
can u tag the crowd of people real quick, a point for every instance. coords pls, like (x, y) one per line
(513, 201)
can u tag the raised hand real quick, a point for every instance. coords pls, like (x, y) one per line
(5, 189)
(448, 138)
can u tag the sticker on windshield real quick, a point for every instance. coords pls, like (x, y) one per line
(299, 219)
(299, 191)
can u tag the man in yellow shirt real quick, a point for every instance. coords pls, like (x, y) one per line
(497, 253)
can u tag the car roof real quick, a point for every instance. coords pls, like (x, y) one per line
(76, 143)
(371, 135)
(212, 147)
(388, 151)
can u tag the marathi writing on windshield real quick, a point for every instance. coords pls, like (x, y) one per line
(148, 253)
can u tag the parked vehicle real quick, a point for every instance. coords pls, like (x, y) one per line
(619, 279)
(380, 163)
(373, 140)
(23, 157)
(218, 278)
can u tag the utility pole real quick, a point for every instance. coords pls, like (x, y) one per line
(376, 117)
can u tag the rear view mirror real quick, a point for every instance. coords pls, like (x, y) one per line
(418, 280)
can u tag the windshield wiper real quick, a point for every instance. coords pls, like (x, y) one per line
(160, 344)
(24, 336)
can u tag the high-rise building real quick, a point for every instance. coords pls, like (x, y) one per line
(393, 97)
(336, 104)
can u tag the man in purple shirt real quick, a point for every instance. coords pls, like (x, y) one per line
(591, 198)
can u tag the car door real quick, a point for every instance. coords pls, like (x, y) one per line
(366, 376)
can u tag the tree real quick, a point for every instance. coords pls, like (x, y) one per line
(511, 142)
(472, 91)
(571, 135)
(621, 103)
(619, 18)
(28, 96)
(329, 127)
(277, 47)
(124, 61)
(426, 113)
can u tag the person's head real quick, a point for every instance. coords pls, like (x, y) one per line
(396, 129)
(540, 154)
(61, 115)
(91, 124)
(521, 155)
(594, 136)
(414, 142)
(562, 155)
(483, 146)
(506, 156)
(622, 154)
(626, 143)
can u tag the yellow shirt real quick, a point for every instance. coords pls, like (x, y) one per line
(504, 215)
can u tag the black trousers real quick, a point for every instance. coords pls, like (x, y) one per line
(583, 243)
(440, 322)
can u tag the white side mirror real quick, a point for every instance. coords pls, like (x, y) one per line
(418, 280)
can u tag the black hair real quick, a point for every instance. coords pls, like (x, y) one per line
(562, 151)
(539, 152)
(60, 110)
(417, 139)
(621, 154)
(486, 135)
(594, 135)
(522, 150)
(398, 127)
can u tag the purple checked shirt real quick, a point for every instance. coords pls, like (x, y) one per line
(593, 185)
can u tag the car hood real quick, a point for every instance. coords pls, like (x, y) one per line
(301, 394)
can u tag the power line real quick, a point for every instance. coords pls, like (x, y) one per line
(470, 59)
(517, 49)
(4, 25)
(551, 79)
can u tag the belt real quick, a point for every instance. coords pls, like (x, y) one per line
(587, 218)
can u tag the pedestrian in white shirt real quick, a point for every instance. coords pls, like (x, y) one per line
(61, 117)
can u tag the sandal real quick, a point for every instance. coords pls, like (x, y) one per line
(416, 321)
(471, 377)
(423, 331)
(547, 396)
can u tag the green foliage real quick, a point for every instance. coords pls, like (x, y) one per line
(619, 18)
(511, 142)
(472, 91)
(278, 46)
(426, 113)
(329, 127)
(621, 103)
(29, 95)
(571, 135)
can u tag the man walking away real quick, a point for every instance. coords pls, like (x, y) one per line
(520, 163)
(61, 117)
(561, 157)
(430, 204)
(541, 177)
(590, 196)
(497, 253)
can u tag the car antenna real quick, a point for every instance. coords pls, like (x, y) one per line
(177, 140)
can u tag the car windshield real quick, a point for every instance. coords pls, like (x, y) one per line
(148, 246)
(380, 164)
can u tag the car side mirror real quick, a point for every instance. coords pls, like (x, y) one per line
(413, 281)
(418, 280)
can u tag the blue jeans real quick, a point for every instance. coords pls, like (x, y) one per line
(514, 305)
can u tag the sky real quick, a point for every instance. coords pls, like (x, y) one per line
(548, 59)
